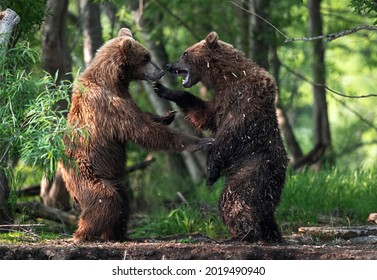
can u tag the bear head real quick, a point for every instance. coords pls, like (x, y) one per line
(203, 61)
(123, 59)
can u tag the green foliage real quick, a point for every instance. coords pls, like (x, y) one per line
(327, 197)
(366, 6)
(34, 232)
(181, 220)
(31, 128)
(31, 14)
(164, 213)
(32, 125)
(332, 197)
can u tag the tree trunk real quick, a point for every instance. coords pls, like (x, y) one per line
(243, 19)
(110, 11)
(8, 20)
(91, 28)
(56, 61)
(55, 55)
(195, 163)
(321, 126)
(259, 30)
(5, 213)
(320, 117)
(284, 124)
(53, 191)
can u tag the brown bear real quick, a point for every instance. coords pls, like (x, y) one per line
(102, 117)
(248, 149)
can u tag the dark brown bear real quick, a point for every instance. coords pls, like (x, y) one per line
(248, 148)
(102, 118)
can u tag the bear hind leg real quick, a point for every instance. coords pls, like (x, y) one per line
(241, 220)
(105, 218)
(270, 230)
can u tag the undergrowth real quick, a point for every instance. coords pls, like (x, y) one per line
(331, 197)
(310, 198)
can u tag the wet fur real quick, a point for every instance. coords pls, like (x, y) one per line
(248, 148)
(102, 118)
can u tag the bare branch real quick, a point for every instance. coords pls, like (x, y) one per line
(329, 37)
(332, 36)
(359, 115)
(183, 23)
(21, 225)
(349, 96)
(41, 211)
(351, 148)
(266, 21)
(302, 77)
(5, 153)
(140, 166)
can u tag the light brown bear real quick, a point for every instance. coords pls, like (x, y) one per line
(248, 148)
(102, 118)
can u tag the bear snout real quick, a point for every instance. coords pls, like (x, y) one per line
(160, 73)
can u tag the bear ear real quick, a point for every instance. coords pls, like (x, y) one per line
(125, 46)
(125, 32)
(212, 39)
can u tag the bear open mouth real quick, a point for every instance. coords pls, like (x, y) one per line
(183, 73)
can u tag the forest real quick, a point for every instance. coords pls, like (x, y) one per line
(322, 53)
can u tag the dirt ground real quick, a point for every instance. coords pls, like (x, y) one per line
(196, 246)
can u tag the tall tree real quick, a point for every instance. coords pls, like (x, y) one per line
(259, 30)
(8, 20)
(91, 28)
(195, 163)
(284, 122)
(321, 125)
(243, 38)
(55, 54)
(264, 45)
(56, 61)
(320, 116)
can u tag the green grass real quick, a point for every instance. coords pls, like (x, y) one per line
(181, 220)
(171, 217)
(332, 197)
(327, 197)
(34, 231)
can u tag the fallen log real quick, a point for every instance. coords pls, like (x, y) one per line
(39, 210)
(339, 232)
(140, 166)
(372, 218)
(29, 191)
(35, 189)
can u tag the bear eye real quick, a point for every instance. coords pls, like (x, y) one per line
(146, 59)
(185, 55)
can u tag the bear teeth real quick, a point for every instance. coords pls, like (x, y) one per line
(185, 81)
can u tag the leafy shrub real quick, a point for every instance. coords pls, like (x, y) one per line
(32, 124)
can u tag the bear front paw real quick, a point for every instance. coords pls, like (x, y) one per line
(168, 118)
(159, 89)
(206, 143)
(200, 144)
